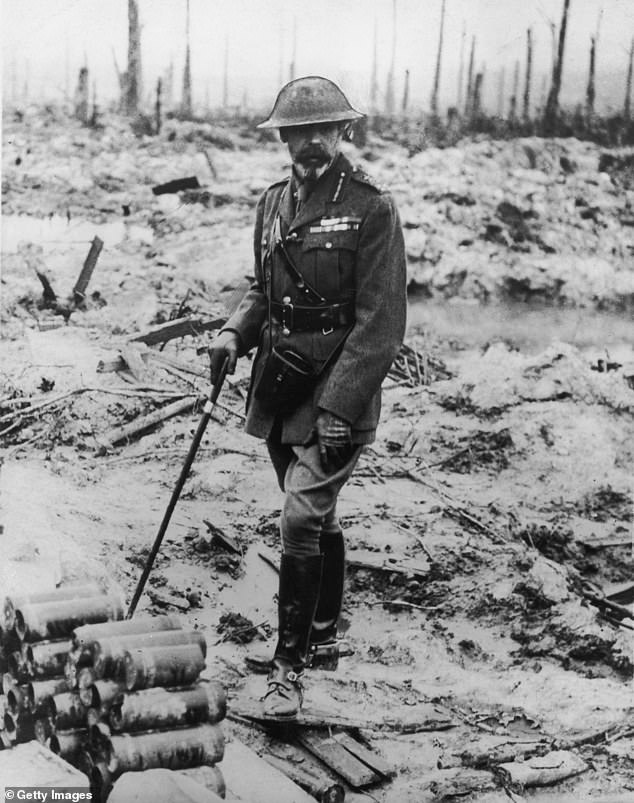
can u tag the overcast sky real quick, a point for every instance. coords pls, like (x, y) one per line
(45, 42)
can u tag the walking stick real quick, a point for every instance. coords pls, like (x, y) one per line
(207, 411)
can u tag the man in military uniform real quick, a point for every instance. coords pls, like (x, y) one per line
(327, 314)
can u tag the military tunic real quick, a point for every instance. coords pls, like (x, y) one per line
(347, 242)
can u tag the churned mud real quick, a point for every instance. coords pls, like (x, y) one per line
(497, 499)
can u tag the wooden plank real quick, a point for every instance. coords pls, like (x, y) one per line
(425, 717)
(335, 756)
(366, 559)
(372, 760)
(134, 359)
(79, 290)
(317, 784)
(621, 593)
(144, 422)
(177, 328)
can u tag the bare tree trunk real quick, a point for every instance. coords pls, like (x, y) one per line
(186, 104)
(291, 69)
(529, 71)
(461, 68)
(476, 106)
(94, 116)
(552, 104)
(553, 46)
(434, 94)
(469, 98)
(280, 66)
(590, 90)
(516, 84)
(133, 88)
(157, 108)
(389, 91)
(81, 96)
(405, 93)
(168, 86)
(27, 72)
(374, 83)
(14, 80)
(627, 106)
(501, 81)
(225, 79)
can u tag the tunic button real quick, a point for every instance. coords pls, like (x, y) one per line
(286, 332)
(286, 300)
(328, 244)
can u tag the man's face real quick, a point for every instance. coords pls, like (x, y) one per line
(312, 147)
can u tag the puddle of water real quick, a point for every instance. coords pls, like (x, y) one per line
(529, 328)
(58, 230)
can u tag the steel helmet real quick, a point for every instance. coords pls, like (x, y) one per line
(310, 100)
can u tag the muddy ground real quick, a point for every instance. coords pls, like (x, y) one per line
(501, 475)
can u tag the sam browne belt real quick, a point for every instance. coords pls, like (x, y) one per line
(324, 317)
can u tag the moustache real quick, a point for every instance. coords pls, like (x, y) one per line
(313, 153)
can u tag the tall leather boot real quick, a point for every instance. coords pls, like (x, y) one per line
(300, 579)
(324, 630)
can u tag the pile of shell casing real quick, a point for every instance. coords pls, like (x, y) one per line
(106, 694)
(35, 638)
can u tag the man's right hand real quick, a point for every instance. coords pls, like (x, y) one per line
(224, 347)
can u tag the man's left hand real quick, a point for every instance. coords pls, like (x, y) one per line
(334, 436)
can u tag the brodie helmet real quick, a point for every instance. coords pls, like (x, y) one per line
(310, 100)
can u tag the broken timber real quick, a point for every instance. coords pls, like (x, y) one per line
(428, 717)
(140, 424)
(176, 185)
(334, 755)
(320, 787)
(366, 756)
(365, 559)
(79, 290)
(178, 328)
(541, 770)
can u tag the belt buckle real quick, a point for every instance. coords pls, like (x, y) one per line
(326, 330)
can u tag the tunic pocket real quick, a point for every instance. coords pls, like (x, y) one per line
(331, 256)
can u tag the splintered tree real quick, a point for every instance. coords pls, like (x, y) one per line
(225, 78)
(434, 94)
(133, 82)
(529, 70)
(627, 106)
(186, 104)
(292, 67)
(469, 98)
(501, 82)
(516, 84)
(81, 96)
(552, 104)
(158, 109)
(374, 78)
(476, 104)
(590, 90)
(461, 68)
(405, 93)
(389, 90)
